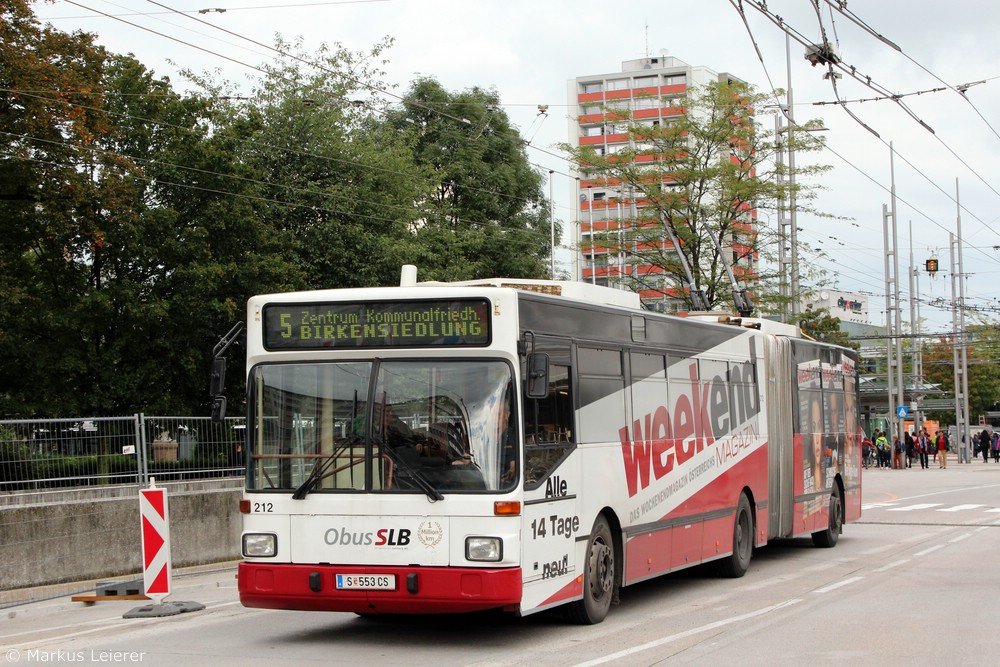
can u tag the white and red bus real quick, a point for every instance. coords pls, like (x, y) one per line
(447, 447)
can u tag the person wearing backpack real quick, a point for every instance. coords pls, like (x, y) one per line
(882, 449)
(923, 447)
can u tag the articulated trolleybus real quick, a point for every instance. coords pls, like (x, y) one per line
(520, 445)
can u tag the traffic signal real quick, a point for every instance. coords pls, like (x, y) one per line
(932, 266)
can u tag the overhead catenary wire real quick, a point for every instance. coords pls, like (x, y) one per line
(256, 144)
(223, 10)
(304, 61)
(783, 25)
(736, 4)
(311, 207)
(865, 80)
(841, 7)
(354, 80)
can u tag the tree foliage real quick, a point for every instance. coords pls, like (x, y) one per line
(482, 212)
(819, 325)
(138, 219)
(983, 352)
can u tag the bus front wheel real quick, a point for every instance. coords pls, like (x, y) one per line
(598, 577)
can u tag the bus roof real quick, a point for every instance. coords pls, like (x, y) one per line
(564, 288)
(601, 295)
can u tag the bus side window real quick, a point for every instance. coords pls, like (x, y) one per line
(548, 428)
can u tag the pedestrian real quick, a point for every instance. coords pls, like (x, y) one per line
(942, 449)
(882, 450)
(923, 447)
(910, 444)
(897, 453)
(985, 444)
(996, 447)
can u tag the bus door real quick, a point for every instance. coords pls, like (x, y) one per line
(551, 519)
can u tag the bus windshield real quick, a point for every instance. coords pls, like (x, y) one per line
(383, 426)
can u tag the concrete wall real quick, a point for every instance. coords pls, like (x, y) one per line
(60, 537)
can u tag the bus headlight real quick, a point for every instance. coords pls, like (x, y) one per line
(483, 548)
(260, 545)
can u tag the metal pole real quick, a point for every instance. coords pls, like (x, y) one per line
(920, 360)
(961, 428)
(576, 243)
(793, 231)
(889, 347)
(783, 243)
(900, 386)
(913, 327)
(593, 236)
(620, 259)
(552, 230)
(915, 347)
(963, 335)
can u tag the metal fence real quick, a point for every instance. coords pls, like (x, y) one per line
(62, 453)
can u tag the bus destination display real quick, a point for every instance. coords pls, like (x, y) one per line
(459, 322)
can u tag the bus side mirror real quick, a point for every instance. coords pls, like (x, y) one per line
(538, 375)
(218, 409)
(217, 387)
(218, 383)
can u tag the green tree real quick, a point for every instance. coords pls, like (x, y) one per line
(482, 210)
(138, 220)
(336, 183)
(819, 325)
(131, 237)
(696, 183)
(48, 170)
(186, 254)
(983, 351)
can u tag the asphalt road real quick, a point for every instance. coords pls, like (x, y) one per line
(915, 582)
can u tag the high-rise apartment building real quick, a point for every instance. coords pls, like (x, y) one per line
(652, 90)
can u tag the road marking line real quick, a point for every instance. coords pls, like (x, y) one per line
(929, 550)
(959, 538)
(890, 566)
(687, 633)
(958, 508)
(838, 584)
(910, 508)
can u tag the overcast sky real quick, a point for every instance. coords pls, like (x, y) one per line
(528, 50)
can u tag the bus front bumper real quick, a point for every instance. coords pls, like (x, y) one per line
(415, 590)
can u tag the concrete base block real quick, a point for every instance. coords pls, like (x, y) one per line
(165, 609)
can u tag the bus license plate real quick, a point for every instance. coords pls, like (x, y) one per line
(369, 582)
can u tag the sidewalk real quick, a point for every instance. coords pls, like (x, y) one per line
(22, 596)
(953, 462)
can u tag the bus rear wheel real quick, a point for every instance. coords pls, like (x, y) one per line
(828, 538)
(598, 577)
(736, 564)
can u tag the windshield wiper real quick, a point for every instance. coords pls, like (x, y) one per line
(432, 493)
(319, 470)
